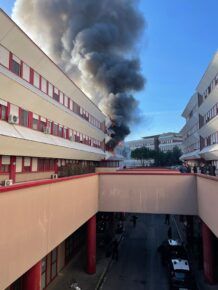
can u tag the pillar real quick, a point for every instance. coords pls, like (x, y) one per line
(32, 278)
(56, 166)
(12, 172)
(91, 245)
(208, 254)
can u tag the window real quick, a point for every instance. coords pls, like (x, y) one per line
(42, 125)
(44, 273)
(15, 67)
(60, 131)
(26, 164)
(3, 112)
(4, 164)
(53, 263)
(55, 129)
(35, 124)
(56, 97)
(23, 118)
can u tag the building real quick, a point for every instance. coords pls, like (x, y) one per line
(163, 142)
(150, 142)
(167, 141)
(47, 125)
(200, 133)
(46, 121)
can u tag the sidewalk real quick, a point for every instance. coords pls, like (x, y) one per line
(76, 271)
(198, 273)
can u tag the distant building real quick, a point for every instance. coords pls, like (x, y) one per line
(163, 142)
(168, 141)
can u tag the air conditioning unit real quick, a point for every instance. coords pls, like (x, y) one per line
(46, 130)
(13, 119)
(54, 176)
(7, 182)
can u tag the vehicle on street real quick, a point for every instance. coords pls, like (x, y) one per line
(172, 249)
(180, 275)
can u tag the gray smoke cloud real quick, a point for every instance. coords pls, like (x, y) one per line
(93, 41)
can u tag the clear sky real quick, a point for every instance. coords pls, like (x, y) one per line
(178, 44)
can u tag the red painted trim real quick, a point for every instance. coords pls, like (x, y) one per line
(8, 111)
(12, 173)
(40, 82)
(43, 182)
(21, 69)
(10, 60)
(30, 120)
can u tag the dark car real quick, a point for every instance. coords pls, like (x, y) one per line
(180, 275)
(172, 249)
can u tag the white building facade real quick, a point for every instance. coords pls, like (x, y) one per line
(200, 133)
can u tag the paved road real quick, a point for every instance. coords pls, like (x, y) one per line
(139, 266)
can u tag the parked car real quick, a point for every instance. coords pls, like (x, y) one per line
(172, 249)
(180, 275)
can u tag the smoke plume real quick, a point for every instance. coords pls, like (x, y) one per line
(93, 41)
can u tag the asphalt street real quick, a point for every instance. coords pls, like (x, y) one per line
(139, 265)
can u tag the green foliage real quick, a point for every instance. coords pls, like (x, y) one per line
(168, 158)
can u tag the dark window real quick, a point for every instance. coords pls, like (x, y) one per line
(60, 132)
(3, 112)
(35, 124)
(55, 129)
(23, 118)
(42, 125)
(15, 67)
(56, 97)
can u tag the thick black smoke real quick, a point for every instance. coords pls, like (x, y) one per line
(92, 40)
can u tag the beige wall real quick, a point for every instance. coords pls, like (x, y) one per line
(32, 149)
(207, 189)
(22, 177)
(40, 219)
(12, 91)
(106, 169)
(148, 193)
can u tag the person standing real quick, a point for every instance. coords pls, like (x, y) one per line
(115, 250)
(169, 233)
(167, 219)
(214, 170)
(195, 169)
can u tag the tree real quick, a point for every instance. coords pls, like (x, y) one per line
(141, 154)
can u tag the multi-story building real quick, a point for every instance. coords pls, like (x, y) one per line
(163, 142)
(150, 142)
(207, 91)
(46, 121)
(167, 141)
(200, 133)
(190, 132)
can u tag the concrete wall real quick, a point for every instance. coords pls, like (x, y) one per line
(35, 220)
(207, 189)
(144, 193)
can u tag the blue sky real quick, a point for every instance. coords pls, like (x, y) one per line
(175, 50)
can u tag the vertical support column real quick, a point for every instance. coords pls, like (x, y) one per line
(12, 173)
(208, 255)
(91, 245)
(56, 166)
(32, 278)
